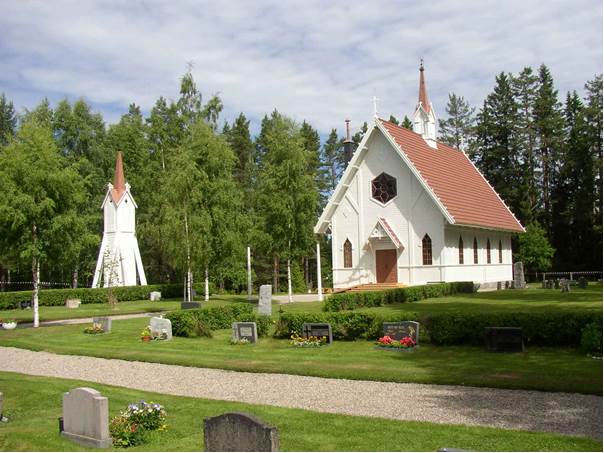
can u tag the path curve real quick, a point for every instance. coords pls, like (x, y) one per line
(565, 413)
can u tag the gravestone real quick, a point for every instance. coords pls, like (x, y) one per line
(399, 330)
(583, 283)
(86, 417)
(154, 296)
(565, 285)
(72, 303)
(104, 323)
(239, 432)
(189, 305)
(265, 302)
(245, 330)
(519, 282)
(316, 329)
(24, 304)
(3, 419)
(161, 328)
(504, 339)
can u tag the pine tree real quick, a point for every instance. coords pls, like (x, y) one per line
(333, 165)
(457, 130)
(239, 138)
(8, 120)
(549, 125)
(593, 118)
(393, 120)
(525, 92)
(356, 138)
(407, 123)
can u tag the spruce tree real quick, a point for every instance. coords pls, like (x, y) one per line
(457, 130)
(407, 123)
(593, 118)
(8, 120)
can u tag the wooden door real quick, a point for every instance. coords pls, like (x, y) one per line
(385, 266)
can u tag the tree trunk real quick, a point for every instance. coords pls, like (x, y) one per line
(289, 281)
(207, 286)
(249, 274)
(275, 274)
(35, 269)
(188, 288)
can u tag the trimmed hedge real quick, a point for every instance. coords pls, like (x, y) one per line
(539, 328)
(56, 297)
(184, 322)
(353, 300)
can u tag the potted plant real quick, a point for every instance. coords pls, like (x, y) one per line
(9, 324)
(146, 335)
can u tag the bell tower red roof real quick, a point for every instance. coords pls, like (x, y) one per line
(119, 182)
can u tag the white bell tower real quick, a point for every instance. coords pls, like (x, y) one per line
(119, 257)
(424, 120)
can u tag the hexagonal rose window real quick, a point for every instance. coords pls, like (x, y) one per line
(383, 188)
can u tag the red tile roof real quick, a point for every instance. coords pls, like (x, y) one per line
(455, 181)
(390, 231)
(119, 182)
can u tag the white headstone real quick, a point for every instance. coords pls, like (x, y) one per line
(154, 295)
(103, 322)
(72, 303)
(265, 302)
(86, 417)
(161, 328)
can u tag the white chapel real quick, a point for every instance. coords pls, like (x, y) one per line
(411, 210)
(119, 259)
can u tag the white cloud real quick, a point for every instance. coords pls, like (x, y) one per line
(314, 60)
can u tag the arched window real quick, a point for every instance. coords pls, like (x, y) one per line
(500, 253)
(347, 253)
(475, 251)
(427, 250)
(488, 251)
(460, 250)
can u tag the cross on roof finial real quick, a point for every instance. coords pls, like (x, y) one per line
(375, 108)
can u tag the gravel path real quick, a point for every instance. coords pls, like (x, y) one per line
(564, 413)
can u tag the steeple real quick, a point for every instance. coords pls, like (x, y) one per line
(119, 182)
(424, 120)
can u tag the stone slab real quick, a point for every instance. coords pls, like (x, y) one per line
(519, 282)
(247, 330)
(317, 329)
(72, 303)
(161, 327)
(238, 431)
(265, 302)
(504, 339)
(154, 296)
(86, 418)
(399, 330)
(189, 305)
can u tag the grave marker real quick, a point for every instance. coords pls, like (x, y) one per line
(161, 328)
(86, 417)
(319, 330)
(72, 303)
(265, 302)
(245, 330)
(399, 330)
(103, 322)
(154, 296)
(519, 282)
(239, 432)
(504, 339)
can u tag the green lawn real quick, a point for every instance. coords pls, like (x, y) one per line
(538, 368)
(34, 403)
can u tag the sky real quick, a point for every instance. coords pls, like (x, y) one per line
(320, 61)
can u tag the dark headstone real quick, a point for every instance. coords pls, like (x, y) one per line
(189, 305)
(245, 330)
(316, 329)
(504, 339)
(25, 304)
(399, 330)
(239, 432)
(583, 283)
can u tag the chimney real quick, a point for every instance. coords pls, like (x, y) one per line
(348, 144)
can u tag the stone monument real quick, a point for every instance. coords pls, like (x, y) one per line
(265, 302)
(86, 418)
(154, 296)
(245, 330)
(519, 282)
(103, 322)
(239, 432)
(161, 328)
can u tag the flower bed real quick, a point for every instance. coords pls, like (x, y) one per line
(95, 329)
(129, 428)
(307, 342)
(406, 344)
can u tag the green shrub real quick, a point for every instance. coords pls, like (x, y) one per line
(353, 300)
(591, 339)
(201, 321)
(547, 329)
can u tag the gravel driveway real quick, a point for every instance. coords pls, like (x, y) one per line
(565, 413)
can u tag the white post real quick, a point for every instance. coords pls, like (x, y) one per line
(207, 296)
(35, 294)
(249, 274)
(319, 283)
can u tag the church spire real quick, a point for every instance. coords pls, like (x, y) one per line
(424, 120)
(423, 93)
(119, 182)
